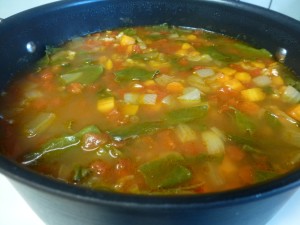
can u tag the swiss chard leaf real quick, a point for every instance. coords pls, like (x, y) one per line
(133, 131)
(186, 114)
(60, 143)
(165, 172)
(134, 73)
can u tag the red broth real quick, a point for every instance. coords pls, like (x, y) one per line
(154, 110)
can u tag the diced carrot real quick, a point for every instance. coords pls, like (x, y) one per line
(235, 153)
(250, 108)
(75, 88)
(246, 174)
(277, 81)
(227, 166)
(295, 112)
(166, 140)
(175, 87)
(100, 167)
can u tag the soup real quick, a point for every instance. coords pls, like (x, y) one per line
(154, 110)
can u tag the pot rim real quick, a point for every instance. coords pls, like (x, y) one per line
(23, 175)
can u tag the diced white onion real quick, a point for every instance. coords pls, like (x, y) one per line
(291, 95)
(190, 94)
(131, 98)
(213, 143)
(148, 99)
(262, 81)
(207, 72)
(185, 133)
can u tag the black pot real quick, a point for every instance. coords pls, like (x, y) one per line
(59, 203)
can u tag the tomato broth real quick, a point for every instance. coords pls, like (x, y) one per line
(154, 110)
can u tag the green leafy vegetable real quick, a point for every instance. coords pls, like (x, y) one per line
(59, 143)
(87, 74)
(243, 122)
(129, 31)
(134, 73)
(133, 131)
(216, 54)
(165, 172)
(145, 56)
(80, 173)
(186, 114)
(264, 175)
(251, 52)
(272, 120)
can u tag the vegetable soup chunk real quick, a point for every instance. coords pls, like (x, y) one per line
(154, 110)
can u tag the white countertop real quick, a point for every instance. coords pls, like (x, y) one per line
(15, 211)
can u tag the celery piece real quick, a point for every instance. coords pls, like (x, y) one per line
(133, 131)
(134, 73)
(165, 172)
(241, 140)
(186, 114)
(242, 121)
(60, 143)
(39, 124)
(252, 53)
(87, 74)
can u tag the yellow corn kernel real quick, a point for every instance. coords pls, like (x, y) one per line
(227, 166)
(295, 112)
(277, 81)
(253, 94)
(149, 83)
(181, 52)
(191, 37)
(234, 84)
(244, 77)
(127, 40)
(109, 64)
(130, 110)
(186, 46)
(222, 78)
(228, 71)
(258, 65)
(106, 104)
